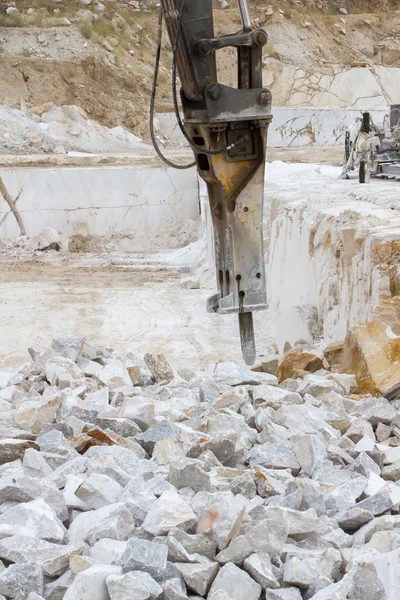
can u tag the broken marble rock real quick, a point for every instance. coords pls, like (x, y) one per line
(372, 353)
(174, 589)
(229, 373)
(33, 415)
(163, 430)
(24, 489)
(52, 558)
(187, 472)
(185, 547)
(17, 581)
(303, 419)
(299, 573)
(209, 390)
(274, 396)
(62, 372)
(341, 497)
(140, 375)
(376, 410)
(34, 519)
(234, 426)
(122, 427)
(274, 456)
(383, 500)
(391, 472)
(143, 555)
(76, 466)
(114, 521)
(315, 385)
(267, 536)
(168, 512)
(289, 593)
(333, 355)
(91, 583)
(220, 515)
(352, 519)
(14, 449)
(69, 346)
(235, 583)
(309, 451)
(296, 361)
(108, 551)
(79, 563)
(99, 490)
(159, 367)
(35, 464)
(121, 587)
(56, 589)
(360, 428)
(198, 577)
(260, 568)
(366, 583)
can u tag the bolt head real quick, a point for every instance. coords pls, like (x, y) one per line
(264, 97)
(204, 47)
(215, 92)
(262, 38)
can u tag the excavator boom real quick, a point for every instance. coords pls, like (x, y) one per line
(227, 129)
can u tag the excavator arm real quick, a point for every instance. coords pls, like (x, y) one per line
(227, 129)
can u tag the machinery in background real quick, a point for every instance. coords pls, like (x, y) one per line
(373, 150)
(227, 130)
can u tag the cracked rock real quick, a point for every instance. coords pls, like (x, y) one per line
(159, 368)
(234, 584)
(181, 486)
(114, 521)
(143, 555)
(33, 519)
(99, 490)
(52, 558)
(169, 511)
(121, 587)
(91, 583)
(17, 581)
(198, 577)
(259, 566)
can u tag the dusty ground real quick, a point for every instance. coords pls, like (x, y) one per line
(145, 310)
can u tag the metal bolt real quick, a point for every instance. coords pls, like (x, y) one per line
(204, 47)
(215, 91)
(262, 38)
(246, 209)
(264, 97)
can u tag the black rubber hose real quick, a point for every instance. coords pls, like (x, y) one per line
(153, 101)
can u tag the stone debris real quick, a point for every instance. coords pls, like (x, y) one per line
(372, 353)
(48, 239)
(124, 479)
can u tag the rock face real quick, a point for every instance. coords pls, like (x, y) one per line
(228, 486)
(372, 352)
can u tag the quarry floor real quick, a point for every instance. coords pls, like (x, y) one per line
(140, 310)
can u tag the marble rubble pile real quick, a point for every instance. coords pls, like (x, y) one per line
(122, 479)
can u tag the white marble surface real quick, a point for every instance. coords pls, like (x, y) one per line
(333, 86)
(137, 200)
(331, 244)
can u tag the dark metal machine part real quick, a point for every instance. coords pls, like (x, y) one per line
(233, 121)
